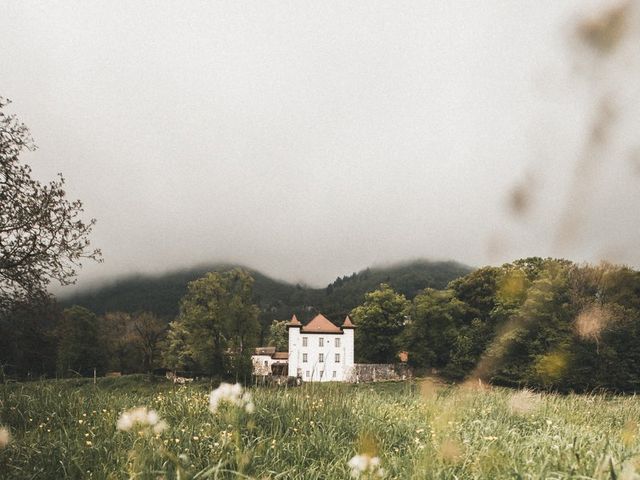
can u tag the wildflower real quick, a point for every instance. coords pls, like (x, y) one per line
(450, 450)
(365, 464)
(232, 394)
(160, 427)
(629, 472)
(140, 416)
(5, 437)
(523, 402)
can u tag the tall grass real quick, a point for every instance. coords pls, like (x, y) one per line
(67, 429)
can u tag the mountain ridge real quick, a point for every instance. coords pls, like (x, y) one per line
(277, 299)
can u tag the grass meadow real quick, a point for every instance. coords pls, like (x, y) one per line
(420, 429)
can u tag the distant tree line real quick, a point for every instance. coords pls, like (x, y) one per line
(542, 323)
(44, 340)
(277, 300)
(214, 334)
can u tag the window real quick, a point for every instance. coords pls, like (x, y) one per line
(334, 374)
(337, 358)
(321, 358)
(304, 358)
(337, 343)
(266, 363)
(307, 374)
(321, 342)
(304, 341)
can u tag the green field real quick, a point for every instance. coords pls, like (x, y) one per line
(67, 429)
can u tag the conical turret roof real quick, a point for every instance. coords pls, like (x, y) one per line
(347, 323)
(294, 322)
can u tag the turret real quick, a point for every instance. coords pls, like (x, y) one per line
(348, 331)
(293, 329)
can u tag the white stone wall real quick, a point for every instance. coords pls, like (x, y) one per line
(294, 345)
(261, 364)
(332, 366)
(378, 372)
(349, 348)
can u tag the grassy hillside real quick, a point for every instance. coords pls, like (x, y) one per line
(161, 294)
(67, 429)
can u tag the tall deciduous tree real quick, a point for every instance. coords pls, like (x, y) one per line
(148, 331)
(432, 332)
(176, 353)
(116, 337)
(27, 343)
(42, 235)
(219, 323)
(380, 320)
(79, 347)
(278, 335)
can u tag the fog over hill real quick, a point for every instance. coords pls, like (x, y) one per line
(277, 299)
(311, 138)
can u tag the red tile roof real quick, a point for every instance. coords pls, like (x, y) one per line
(347, 323)
(294, 322)
(320, 324)
(280, 356)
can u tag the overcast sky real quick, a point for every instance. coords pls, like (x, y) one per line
(313, 139)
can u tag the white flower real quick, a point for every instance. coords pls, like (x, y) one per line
(5, 437)
(160, 427)
(523, 402)
(363, 463)
(143, 417)
(628, 472)
(232, 394)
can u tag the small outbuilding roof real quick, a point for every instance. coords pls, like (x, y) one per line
(264, 351)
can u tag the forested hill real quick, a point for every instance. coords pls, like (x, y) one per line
(277, 299)
(408, 278)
